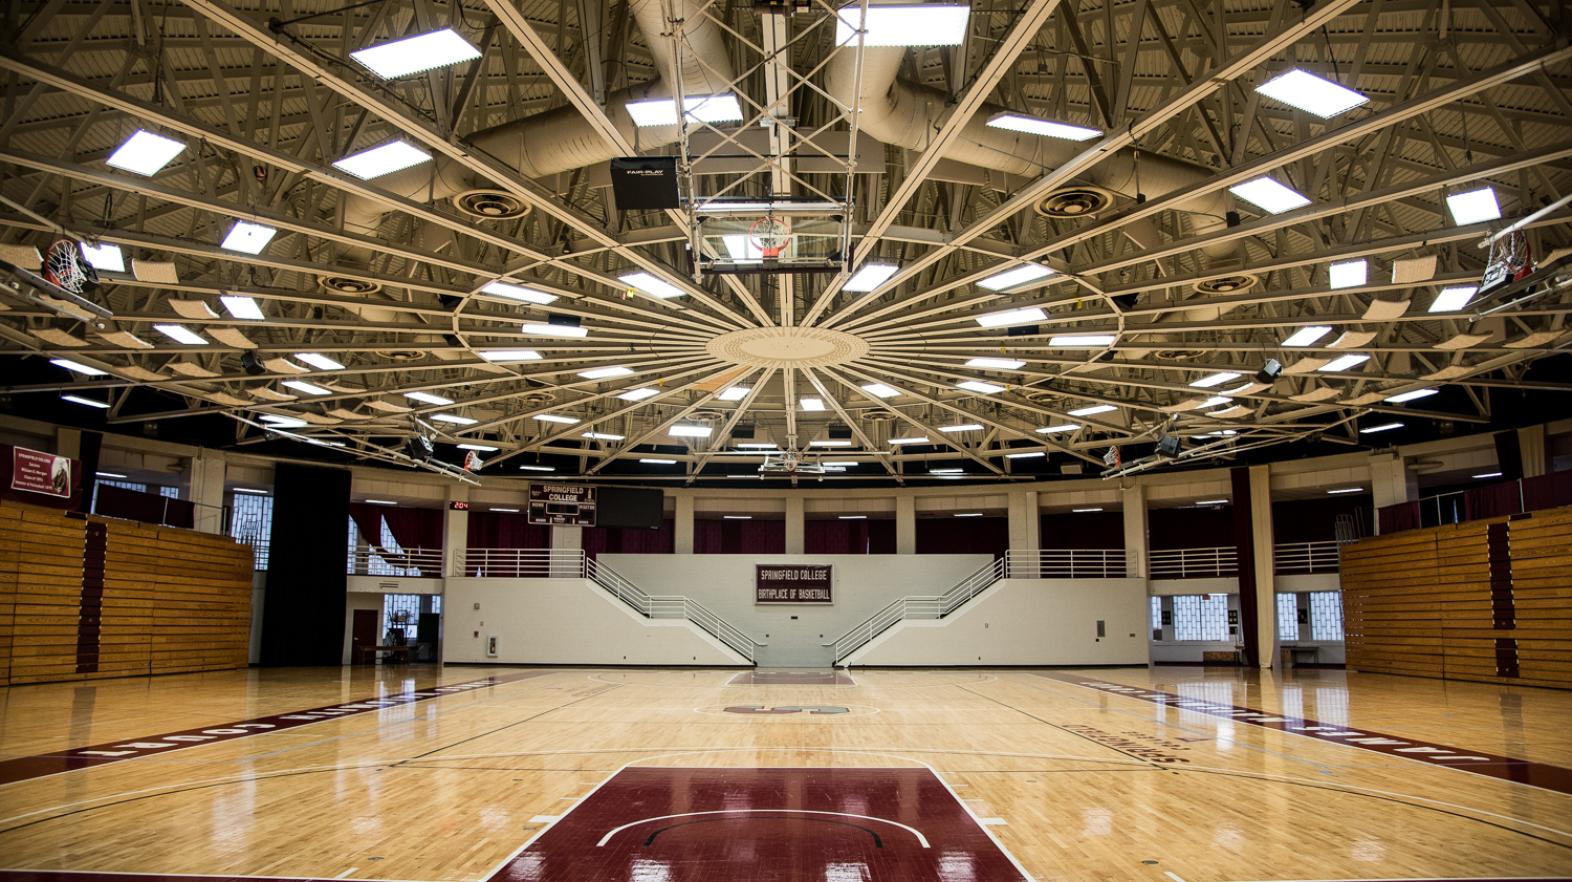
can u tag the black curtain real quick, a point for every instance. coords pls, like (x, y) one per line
(303, 611)
(1244, 546)
(92, 445)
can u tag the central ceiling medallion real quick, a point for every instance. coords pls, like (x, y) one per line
(787, 347)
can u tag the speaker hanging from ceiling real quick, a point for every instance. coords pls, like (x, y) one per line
(251, 364)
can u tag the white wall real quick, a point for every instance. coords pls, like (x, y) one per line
(565, 622)
(391, 585)
(863, 583)
(1025, 622)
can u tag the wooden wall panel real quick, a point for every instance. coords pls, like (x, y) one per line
(1488, 600)
(173, 600)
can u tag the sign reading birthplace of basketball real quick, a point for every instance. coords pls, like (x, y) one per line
(38, 472)
(792, 583)
(568, 504)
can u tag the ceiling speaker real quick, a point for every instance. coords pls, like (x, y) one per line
(1269, 372)
(251, 364)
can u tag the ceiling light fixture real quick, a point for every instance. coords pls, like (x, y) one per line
(830, 442)
(851, 517)
(1485, 475)
(1083, 341)
(428, 398)
(869, 277)
(915, 439)
(1384, 427)
(687, 431)
(453, 419)
(1012, 317)
(242, 307)
(812, 405)
(736, 517)
(1405, 397)
(536, 468)
(1002, 364)
(1307, 335)
(652, 286)
(308, 388)
(1453, 299)
(734, 393)
(655, 460)
(1086, 510)
(1015, 277)
(639, 394)
(924, 24)
(503, 510)
(319, 361)
(383, 159)
(1031, 125)
(606, 373)
(77, 366)
(1343, 363)
(180, 334)
(1311, 93)
(556, 418)
(698, 109)
(1341, 490)
(483, 448)
(549, 330)
(603, 436)
(1349, 273)
(879, 390)
(1029, 455)
(1054, 430)
(381, 502)
(1092, 410)
(758, 445)
(1216, 379)
(1211, 502)
(1474, 206)
(250, 490)
(503, 356)
(77, 399)
(417, 54)
(248, 238)
(517, 292)
(979, 387)
(145, 153)
(968, 514)
(1268, 195)
(962, 427)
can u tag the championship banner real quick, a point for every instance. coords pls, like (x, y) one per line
(38, 472)
(792, 583)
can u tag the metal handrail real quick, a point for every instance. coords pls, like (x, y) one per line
(1066, 563)
(419, 563)
(1195, 563)
(1323, 556)
(919, 606)
(516, 563)
(656, 606)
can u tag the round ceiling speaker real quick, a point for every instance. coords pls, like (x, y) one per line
(1069, 202)
(491, 205)
(1227, 284)
(400, 355)
(345, 285)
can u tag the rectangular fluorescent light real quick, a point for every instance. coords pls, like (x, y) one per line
(503, 356)
(1001, 364)
(1092, 410)
(556, 418)
(110, 475)
(962, 427)
(381, 502)
(879, 390)
(947, 470)
(504, 510)
(734, 393)
(1211, 502)
(1307, 335)
(428, 398)
(77, 366)
(1216, 379)
(1349, 273)
(1015, 277)
(1012, 317)
(517, 292)
(1473, 207)
(851, 517)
(1269, 196)
(484, 448)
(869, 277)
(1311, 93)
(639, 394)
(533, 468)
(1031, 125)
(1384, 427)
(77, 399)
(652, 286)
(830, 442)
(1488, 475)
(915, 439)
(1453, 299)
(104, 256)
(968, 514)
(1341, 490)
(242, 307)
(1086, 510)
(655, 460)
(145, 153)
(384, 159)
(1214, 401)
(924, 24)
(319, 361)
(536, 329)
(1062, 427)
(248, 238)
(606, 373)
(603, 436)
(813, 405)
(840, 463)
(274, 419)
(683, 431)
(251, 490)
(1404, 397)
(1031, 455)
(698, 109)
(758, 445)
(979, 387)
(308, 388)
(180, 334)
(455, 419)
(417, 54)
(736, 517)
(1343, 363)
(726, 207)
(1085, 341)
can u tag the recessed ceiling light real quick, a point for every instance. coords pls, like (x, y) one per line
(1307, 335)
(734, 393)
(603, 436)
(962, 427)
(242, 307)
(1453, 299)
(1269, 195)
(1082, 341)
(979, 387)
(308, 388)
(180, 334)
(1474, 206)
(654, 460)
(1031, 125)
(869, 277)
(1085, 510)
(1092, 410)
(77, 399)
(915, 439)
(1343, 363)
(639, 394)
(1311, 93)
(1012, 317)
(1216, 379)
(248, 238)
(145, 153)
(455, 419)
(503, 356)
(381, 502)
(1349, 273)
(1403, 397)
(1384, 427)
(652, 286)
(417, 54)
(104, 256)
(517, 292)
(830, 442)
(1029, 455)
(384, 159)
(685, 431)
(537, 468)
(428, 398)
(811, 404)
(605, 373)
(1341, 490)
(536, 329)
(1015, 277)
(1488, 475)
(77, 366)
(1054, 430)
(319, 361)
(879, 390)
(925, 24)
(556, 418)
(699, 109)
(483, 448)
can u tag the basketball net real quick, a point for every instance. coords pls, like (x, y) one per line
(472, 461)
(771, 235)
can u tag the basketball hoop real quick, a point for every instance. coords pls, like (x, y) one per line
(771, 235)
(472, 461)
(65, 267)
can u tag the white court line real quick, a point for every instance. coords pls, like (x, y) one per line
(346, 873)
(921, 839)
(545, 819)
(992, 822)
(1174, 876)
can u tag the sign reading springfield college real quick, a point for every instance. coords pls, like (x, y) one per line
(792, 583)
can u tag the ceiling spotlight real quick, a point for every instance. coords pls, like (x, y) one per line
(1016, 277)
(879, 390)
(698, 109)
(145, 153)
(1453, 299)
(1269, 195)
(606, 373)
(869, 277)
(319, 361)
(181, 334)
(428, 398)
(77, 366)
(1307, 335)
(1012, 317)
(248, 238)
(979, 387)
(652, 286)
(812, 405)
(924, 24)
(417, 54)
(1474, 207)
(1031, 125)
(241, 307)
(1311, 93)
(1348, 273)
(639, 394)
(382, 160)
(517, 292)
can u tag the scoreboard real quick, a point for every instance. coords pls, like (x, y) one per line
(562, 504)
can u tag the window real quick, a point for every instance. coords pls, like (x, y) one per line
(1157, 614)
(1326, 615)
(405, 606)
(373, 561)
(1201, 617)
(169, 492)
(251, 522)
(1287, 617)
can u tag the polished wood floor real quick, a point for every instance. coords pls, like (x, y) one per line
(1073, 782)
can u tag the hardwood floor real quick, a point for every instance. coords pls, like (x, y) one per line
(1074, 780)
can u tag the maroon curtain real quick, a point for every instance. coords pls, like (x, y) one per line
(963, 536)
(505, 530)
(149, 508)
(1547, 491)
(1398, 517)
(412, 528)
(1089, 529)
(630, 540)
(1491, 501)
(835, 536)
(739, 537)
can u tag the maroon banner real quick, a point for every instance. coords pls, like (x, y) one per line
(39, 472)
(792, 583)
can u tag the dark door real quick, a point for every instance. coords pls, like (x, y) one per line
(363, 633)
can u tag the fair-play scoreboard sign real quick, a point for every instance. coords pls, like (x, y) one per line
(792, 583)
